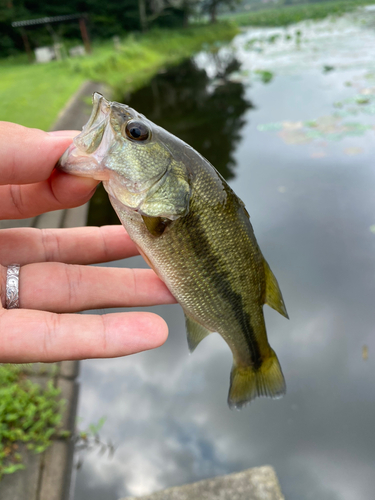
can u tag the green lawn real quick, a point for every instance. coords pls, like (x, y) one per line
(33, 94)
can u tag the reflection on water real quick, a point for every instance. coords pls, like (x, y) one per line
(313, 209)
(208, 117)
(207, 114)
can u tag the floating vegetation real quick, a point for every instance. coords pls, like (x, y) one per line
(334, 127)
(330, 128)
(265, 76)
(362, 100)
(327, 68)
(249, 44)
(290, 14)
(353, 151)
(273, 38)
(364, 103)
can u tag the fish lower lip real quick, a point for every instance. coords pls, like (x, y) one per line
(83, 165)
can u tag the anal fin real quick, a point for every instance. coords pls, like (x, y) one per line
(273, 294)
(195, 333)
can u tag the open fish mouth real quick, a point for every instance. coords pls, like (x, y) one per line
(85, 155)
(92, 133)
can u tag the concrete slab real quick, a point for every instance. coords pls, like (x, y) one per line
(259, 483)
(56, 472)
(26, 486)
(69, 369)
(69, 392)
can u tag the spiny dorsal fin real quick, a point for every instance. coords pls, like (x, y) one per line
(195, 333)
(273, 294)
(156, 225)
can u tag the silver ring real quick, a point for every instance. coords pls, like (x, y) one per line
(12, 299)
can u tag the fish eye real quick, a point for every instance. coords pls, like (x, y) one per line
(137, 131)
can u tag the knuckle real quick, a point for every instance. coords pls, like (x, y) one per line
(73, 275)
(51, 327)
(51, 245)
(15, 192)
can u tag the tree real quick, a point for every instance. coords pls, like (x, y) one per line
(212, 6)
(165, 13)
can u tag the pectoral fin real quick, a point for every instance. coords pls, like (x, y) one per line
(156, 225)
(195, 333)
(273, 294)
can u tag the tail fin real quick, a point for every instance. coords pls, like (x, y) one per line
(247, 383)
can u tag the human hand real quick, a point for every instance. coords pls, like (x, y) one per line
(54, 278)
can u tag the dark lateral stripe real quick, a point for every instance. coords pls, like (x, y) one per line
(202, 249)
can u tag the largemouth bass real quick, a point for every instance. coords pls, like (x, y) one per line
(193, 231)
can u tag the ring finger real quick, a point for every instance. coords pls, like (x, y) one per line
(62, 288)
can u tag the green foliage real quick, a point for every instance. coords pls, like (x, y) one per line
(139, 58)
(49, 86)
(29, 414)
(283, 16)
(212, 7)
(105, 19)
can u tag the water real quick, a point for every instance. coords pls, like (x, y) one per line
(299, 151)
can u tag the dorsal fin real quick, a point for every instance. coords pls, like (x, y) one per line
(195, 333)
(273, 295)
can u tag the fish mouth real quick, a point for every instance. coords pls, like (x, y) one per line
(84, 156)
(92, 133)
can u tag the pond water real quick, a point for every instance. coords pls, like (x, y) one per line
(287, 116)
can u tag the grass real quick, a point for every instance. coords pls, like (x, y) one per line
(32, 95)
(28, 414)
(283, 16)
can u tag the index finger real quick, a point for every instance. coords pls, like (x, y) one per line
(29, 155)
(31, 336)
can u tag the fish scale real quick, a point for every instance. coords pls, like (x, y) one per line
(194, 232)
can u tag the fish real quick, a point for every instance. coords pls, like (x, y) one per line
(193, 230)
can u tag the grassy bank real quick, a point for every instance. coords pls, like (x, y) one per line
(283, 16)
(33, 95)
